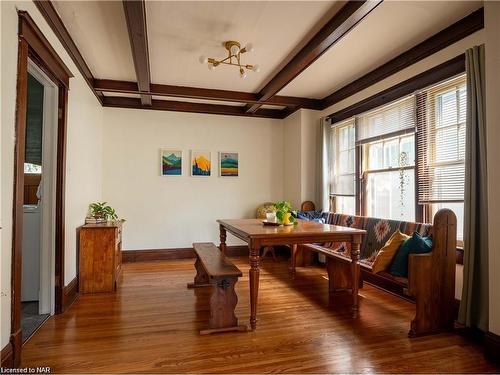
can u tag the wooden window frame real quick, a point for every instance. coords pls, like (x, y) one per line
(412, 86)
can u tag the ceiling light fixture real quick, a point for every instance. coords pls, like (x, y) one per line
(234, 51)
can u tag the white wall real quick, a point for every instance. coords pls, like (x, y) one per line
(84, 148)
(300, 135)
(173, 212)
(492, 24)
(292, 161)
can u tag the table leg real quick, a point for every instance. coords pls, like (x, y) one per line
(293, 260)
(222, 237)
(254, 272)
(355, 272)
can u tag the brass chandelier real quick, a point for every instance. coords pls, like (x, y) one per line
(234, 52)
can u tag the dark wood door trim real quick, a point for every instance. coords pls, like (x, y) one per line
(17, 207)
(32, 44)
(338, 26)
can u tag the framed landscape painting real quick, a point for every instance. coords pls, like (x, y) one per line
(201, 163)
(228, 164)
(171, 162)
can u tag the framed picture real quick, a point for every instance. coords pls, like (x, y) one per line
(228, 164)
(171, 162)
(201, 163)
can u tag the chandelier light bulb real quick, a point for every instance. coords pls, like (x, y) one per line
(203, 59)
(249, 47)
(211, 67)
(243, 75)
(235, 49)
(256, 68)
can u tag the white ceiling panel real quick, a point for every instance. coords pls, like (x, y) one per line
(236, 104)
(180, 31)
(121, 95)
(390, 29)
(99, 30)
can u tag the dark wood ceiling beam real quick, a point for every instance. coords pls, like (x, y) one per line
(459, 30)
(54, 21)
(105, 85)
(425, 79)
(135, 15)
(176, 106)
(338, 26)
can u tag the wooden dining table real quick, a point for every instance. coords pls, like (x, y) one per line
(257, 235)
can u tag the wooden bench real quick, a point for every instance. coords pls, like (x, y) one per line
(215, 270)
(430, 282)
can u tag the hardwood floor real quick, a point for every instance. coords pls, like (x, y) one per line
(151, 325)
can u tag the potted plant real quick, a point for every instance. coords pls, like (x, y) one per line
(284, 213)
(100, 212)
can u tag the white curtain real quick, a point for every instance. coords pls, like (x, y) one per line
(323, 183)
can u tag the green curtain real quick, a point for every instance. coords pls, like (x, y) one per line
(474, 303)
(34, 122)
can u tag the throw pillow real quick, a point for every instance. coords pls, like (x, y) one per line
(316, 216)
(388, 251)
(416, 244)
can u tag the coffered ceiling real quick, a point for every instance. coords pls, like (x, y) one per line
(307, 50)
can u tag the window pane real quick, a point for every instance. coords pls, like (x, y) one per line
(345, 205)
(407, 146)
(446, 144)
(32, 168)
(344, 185)
(346, 162)
(391, 195)
(458, 209)
(441, 139)
(343, 159)
(391, 153)
(462, 93)
(344, 143)
(461, 142)
(375, 156)
(447, 109)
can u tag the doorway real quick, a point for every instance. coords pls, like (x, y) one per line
(37, 281)
(37, 59)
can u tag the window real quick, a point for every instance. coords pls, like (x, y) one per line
(381, 157)
(342, 186)
(32, 168)
(442, 144)
(388, 160)
(390, 178)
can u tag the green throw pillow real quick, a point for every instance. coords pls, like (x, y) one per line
(416, 244)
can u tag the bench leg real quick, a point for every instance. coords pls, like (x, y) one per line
(201, 278)
(339, 275)
(222, 304)
(303, 256)
(269, 249)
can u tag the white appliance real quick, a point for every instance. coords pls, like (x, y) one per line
(31, 253)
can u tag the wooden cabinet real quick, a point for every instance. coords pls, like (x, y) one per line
(100, 258)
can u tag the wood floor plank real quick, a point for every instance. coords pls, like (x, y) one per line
(151, 326)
